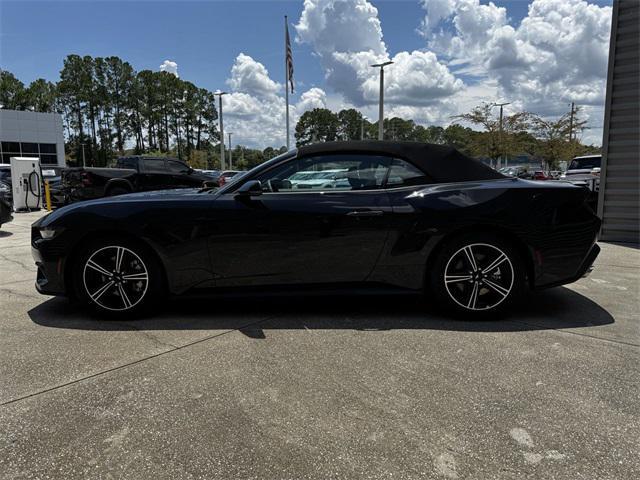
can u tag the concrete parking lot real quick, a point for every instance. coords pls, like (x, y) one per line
(292, 388)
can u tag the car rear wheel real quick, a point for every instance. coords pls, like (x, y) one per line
(477, 275)
(117, 277)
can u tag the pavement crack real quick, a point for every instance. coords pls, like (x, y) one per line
(130, 364)
(569, 332)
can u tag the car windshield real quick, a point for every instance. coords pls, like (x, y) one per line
(585, 163)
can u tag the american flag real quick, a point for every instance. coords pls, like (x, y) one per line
(289, 59)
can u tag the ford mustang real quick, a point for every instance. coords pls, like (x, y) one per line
(400, 216)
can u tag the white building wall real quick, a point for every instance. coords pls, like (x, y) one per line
(31, 127)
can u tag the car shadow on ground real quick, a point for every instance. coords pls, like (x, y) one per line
(4, 233)
(550, 309)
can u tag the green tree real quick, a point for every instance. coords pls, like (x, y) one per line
(350, 123)
(496, 142)
(41, 96)
(12, 92)
(557, 137)
(317, 125)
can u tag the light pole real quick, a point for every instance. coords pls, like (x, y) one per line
(381, 106)
(230, 153)
(501, 105)
(220, 94)
(362, 119)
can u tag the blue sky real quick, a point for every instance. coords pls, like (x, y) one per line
(205, 37)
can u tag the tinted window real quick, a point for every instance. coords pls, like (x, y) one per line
(403, 173)
(128, 163)
(584, 163)
(10, 147)
(47, 148)
(154, 165)
(329, 172)
(30, 148)
(177, 167)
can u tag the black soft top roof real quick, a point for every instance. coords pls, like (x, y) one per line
(441, 163)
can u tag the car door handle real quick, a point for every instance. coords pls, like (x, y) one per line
(365, 213)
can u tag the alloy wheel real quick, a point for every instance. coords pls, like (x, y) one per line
(115, 278)
(479, 276)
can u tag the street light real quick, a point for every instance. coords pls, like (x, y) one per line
(362, 119)
(230, 153)
(220, 94)
(501, 105)
(381, 106)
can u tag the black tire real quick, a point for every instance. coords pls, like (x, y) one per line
(113, 191)
(485, 291)
(130, 290)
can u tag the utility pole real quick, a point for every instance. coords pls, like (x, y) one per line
(502, 156)
(362, 127)
(571, 121)
(220, 94)
(230, 153)
(83, 159)
(381, 106)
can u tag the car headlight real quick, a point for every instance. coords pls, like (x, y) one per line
(49, 232)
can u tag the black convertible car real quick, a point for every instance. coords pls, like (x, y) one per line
(408, 216)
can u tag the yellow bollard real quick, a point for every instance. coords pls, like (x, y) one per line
(47, 195)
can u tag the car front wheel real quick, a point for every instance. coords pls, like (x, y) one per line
(477, 275)
(117, 278)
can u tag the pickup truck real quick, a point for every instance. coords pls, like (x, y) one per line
(130, 174)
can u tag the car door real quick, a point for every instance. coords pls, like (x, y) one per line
(154, 174)
(179, 173)
(328, 234)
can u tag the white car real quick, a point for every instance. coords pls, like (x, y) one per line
(316, 179)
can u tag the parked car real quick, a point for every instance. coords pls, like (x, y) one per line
(320, 179)
(226, 176)
(130, 174)
(6, 205)
(411, 216)
(584, 170)
(539, 175)
(5, 180)
(519, 171)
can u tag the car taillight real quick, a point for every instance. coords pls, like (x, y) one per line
(86, 179)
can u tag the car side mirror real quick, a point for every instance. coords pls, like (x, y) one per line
(250, 188)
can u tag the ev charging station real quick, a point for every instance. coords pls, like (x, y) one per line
(26, 177)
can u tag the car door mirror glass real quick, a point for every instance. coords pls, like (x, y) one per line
(250, 188)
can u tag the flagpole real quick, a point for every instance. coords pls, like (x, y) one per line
(286, 83)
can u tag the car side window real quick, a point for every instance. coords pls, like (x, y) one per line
(339, 172)
(127, 163)
(402, 174)
(154, 165)
(177, 167)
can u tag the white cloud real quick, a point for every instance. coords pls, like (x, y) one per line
(254, 109)
(312, 98)
(347, 37)
(169, 66)
(251, 77)
(556, 55)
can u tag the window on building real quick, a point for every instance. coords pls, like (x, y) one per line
(48, 148)
(30, 149)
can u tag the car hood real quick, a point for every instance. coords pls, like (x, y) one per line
(139, 197)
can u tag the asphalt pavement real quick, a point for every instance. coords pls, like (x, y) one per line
(321, 387)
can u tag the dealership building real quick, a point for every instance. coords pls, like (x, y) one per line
(31, 134)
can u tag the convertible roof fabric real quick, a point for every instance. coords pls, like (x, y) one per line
(442, 163)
